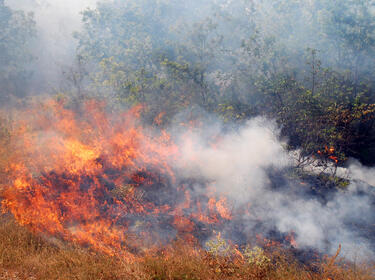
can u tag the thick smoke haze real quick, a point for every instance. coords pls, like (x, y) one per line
(237, 163)
(240, 166)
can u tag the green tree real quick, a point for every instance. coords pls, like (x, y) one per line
(17, 32)
(350, 27)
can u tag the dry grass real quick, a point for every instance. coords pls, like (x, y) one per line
(35, 258)
(25, 256)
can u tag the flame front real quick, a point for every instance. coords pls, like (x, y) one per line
(102, 180)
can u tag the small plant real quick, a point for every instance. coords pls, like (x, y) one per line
(218, 246)
(256, 256)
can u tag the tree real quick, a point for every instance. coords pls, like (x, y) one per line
(17, 33)
(350, 27)
(139, 58)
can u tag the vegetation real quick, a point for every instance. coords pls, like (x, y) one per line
(245, 59)
(17, 32)
(26, 256)
(237, 59)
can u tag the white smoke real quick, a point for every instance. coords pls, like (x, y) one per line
(237, 166)
(237, 163)
(359, 172)
(56, 22)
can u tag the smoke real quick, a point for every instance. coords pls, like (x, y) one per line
(251, 167)
(55, 48)
(238, 162)
(359, 172)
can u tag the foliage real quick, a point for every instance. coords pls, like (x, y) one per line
(256, 256)
(17, 32)
(218, 246)
(307, 64)
(327, 102)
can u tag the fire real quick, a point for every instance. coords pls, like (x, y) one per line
(222, 208)
(329, 152)
(102, 180)
(291, 239)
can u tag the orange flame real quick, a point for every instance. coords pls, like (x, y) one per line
(89, 177)
(329, 152)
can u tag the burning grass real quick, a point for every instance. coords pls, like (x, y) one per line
(24, 255)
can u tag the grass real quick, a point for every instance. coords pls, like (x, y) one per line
(26, 256)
